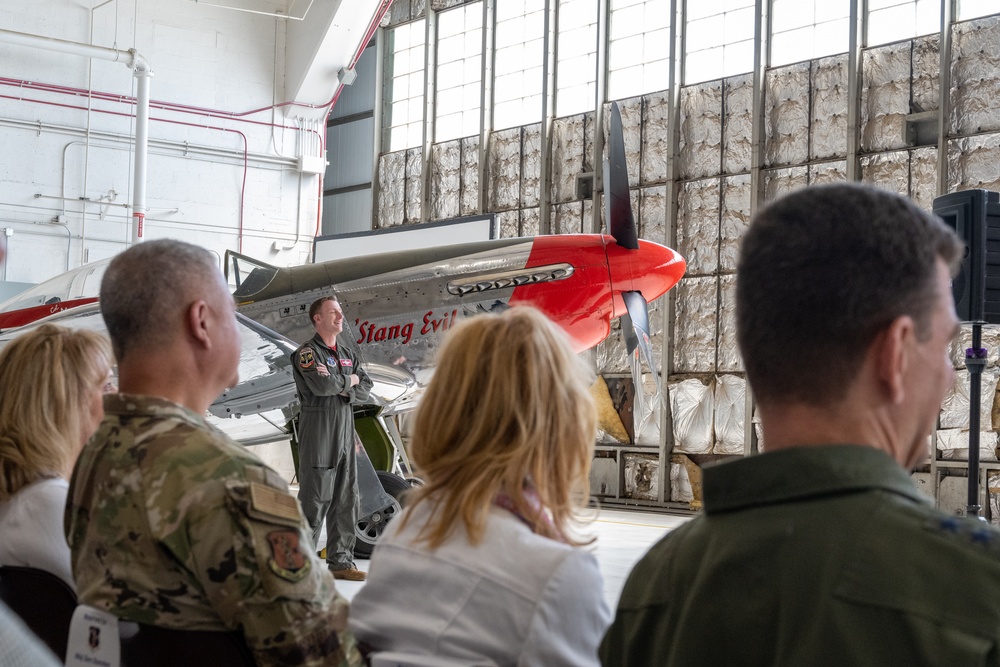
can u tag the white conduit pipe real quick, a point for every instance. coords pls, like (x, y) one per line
(142, 71)
(184, 147)
(141, 152)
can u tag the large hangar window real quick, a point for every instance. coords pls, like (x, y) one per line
(718, 40)
(517, 69)
(576, 53)
(970, 9)
(404, 89)
(806, 29)
(893, 20)
(639, 47)
(459, 72)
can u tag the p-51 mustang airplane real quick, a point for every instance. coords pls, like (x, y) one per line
(398, 305)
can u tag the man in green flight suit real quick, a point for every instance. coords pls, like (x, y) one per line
(330, 380)
(822, 551)
(169, 521)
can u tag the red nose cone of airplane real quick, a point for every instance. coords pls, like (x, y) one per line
(652, 270)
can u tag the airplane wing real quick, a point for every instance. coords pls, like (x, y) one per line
(257, 409)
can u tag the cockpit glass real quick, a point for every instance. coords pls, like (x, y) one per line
(81, 283)
(246, 275)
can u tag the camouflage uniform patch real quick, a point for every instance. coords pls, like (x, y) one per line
(286, 559)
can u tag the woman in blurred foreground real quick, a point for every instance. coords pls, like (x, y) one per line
(484, 563)
(52, 382)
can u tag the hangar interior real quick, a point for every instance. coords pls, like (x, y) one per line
(725, 105)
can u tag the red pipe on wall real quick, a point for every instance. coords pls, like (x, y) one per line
(246, 148)
(204, 111)
(107, 97)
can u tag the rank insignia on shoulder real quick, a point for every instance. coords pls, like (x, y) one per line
(982, 537)
(949, 525)
(306, 358)
(287, 560)
(969, 532)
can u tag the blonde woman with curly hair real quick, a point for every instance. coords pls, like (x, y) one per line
(52, 382)
(484, 563)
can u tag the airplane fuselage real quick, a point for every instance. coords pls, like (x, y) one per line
(397, 306)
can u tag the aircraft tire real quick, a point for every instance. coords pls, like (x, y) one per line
(370, 527)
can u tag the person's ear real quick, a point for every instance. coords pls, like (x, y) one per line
(893, 356)
(198, 323)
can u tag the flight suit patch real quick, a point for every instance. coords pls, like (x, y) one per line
(287, 560)
(306, 358)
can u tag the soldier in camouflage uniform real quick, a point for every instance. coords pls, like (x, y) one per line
(170, 522)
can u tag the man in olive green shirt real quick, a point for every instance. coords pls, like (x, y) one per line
(822, 551)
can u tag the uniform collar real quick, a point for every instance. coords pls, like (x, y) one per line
(135, 405)
(804, 472)
(319, 341)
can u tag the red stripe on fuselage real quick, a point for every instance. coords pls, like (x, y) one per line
(18, 318)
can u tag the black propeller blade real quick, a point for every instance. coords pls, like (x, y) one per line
(621, 224)
(617, 204)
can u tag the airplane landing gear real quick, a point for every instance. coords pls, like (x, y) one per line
(371, 526)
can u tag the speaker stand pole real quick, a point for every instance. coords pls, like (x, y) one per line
(975, 361)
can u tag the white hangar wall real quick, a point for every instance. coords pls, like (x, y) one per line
(216, 179)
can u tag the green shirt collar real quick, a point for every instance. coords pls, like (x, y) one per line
(804, 472)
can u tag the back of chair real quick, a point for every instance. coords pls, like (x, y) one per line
(44, 601)
(154, 646)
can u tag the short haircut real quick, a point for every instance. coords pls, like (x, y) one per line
(509, 405)
(317, 304)
(821, 272)
(147, 288)
(45, 377)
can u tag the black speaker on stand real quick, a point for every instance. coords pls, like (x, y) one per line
(975, 216)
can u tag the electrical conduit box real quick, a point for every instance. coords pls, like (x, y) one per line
(312, 164)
